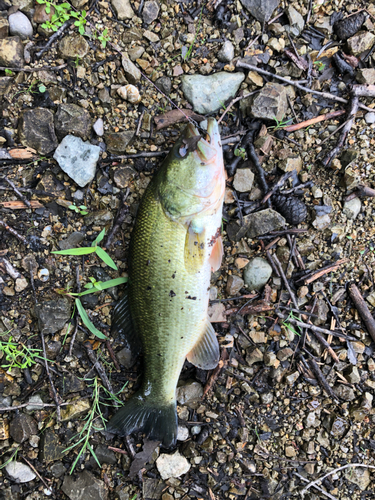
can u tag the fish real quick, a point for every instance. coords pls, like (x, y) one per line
(175, 244)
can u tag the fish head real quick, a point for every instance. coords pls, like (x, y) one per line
(192, 177)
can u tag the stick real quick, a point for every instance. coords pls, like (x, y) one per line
(317, 481)
(34, 70)
(363, 90)
(14, 232)
(363, 309)
(278, 185)
(321, 379)
(334, 132)
(37, 473)
(323, 341)
(145, 154)
(286, 282)
(328, 495)
(53, 389)
(272, 234)
(98, 367)
(325, 95)
(20, 195)
(327, 160)
(54, 37)
(323, 271)
(315, 328)
(12, 271)
(312, 121)
(113, 356)
(361, 191)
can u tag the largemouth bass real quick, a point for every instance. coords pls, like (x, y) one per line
(175, 244)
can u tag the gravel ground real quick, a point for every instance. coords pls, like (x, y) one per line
(87, 114)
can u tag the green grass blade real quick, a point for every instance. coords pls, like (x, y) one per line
(102, 254)
(86, 320)
(76, 251)
(99, 238)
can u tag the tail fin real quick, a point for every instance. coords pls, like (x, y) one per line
(157, 421)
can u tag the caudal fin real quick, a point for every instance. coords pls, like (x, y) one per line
(157, 421)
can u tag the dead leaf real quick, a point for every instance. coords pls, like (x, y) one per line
(175, 116)
(22, 154)
(17, 205)
(142, 458)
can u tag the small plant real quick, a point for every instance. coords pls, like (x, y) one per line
(320, 66)
(81, 21)
(95, 415)
(187, 56)
(240, 152)
(13, 456)
(281, 123)
(289, 325)
(81, 209)
(8, 72)
(17, 355)
(104, 38)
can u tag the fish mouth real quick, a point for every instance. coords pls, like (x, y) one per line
(207, 147)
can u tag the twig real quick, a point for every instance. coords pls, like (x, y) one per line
(325, 95)
(144, 154)
(363, 90)
(234, 102)
(53, 389)
(285, 280)
(272, 234)
(248, 142)
(338, 469)
(277, 186)
(312, 121)
(328, 495)
(140, 122)
(323, 341)
(31, 271)
(34, 70)
(321, 379)
(327, 160)
(32, 403)
(363, 310)
(321, 272)
(238, 207)
(54, 37)
(98, 367)
(361, 191)
(120, 217)
(20, 195)
(272, 264)
(37, 473)
(334, 132)
(12, 271)
(14, 232)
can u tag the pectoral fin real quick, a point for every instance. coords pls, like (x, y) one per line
(216, 254)
(194, 250)
(206, 353)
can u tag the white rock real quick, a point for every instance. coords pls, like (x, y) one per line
(21, 284)
(243, 180)
(352, 208)
(99, 127)
(182, 433)
(132, 94)
(172, 465)
(123, 9)
(370, 117)
(122, 92)
(19, 25)
(20, 472)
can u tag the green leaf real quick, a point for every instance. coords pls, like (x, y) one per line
(100, 285)
(99, 238)
(82, 207)
(76, 251)
(42, 89)
(86, 320)
(102, 254)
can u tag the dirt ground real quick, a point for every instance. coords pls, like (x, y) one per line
(289, 411)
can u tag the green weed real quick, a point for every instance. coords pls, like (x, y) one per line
(81, 209)
(240, 152)
(17, 355)
(191, 46)
(320, 66)
(281, 123)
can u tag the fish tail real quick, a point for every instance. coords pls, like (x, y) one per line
(157, 420)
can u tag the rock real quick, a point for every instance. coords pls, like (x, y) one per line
(182, 433)
(352, 208)
(35, 402)
(271, 103)
(104, 455)
(84, 486)
(72, 119)
(254, 356)
(263, 222)
(290, 451)
(118, 141)
(150, 11)
(125, 357)
(366, 75)
(73, 46)
(370, 117)
(40, 15)
(74, 410)
(11, 52)
(226, 53)
(4, 28)
(359, 476)
(293, 162)
(78, 159)
(72, 241)
(5, 84)
(52, 315)
(104, 96)
(243, 180)
(321, 310)
(216, 312)
(69, 383)
(135, 52)
(322, 222)
(172, 465)
(123, 9)
(36, 130)
(295, 19)
(21, 284)
(352, 375)
(234, 284)
(132, 73)
(189, 393)
(19, 25)
(284, 354)
(344, 392)
(22, 427)
(208, 93)
(152, 37)
(132, 94)
(20, 472)
(123, 176)
(261, 9)
(360, 42)
(58, 470)
(99, 127)
(257, 273)
(50, 448)
(164, 84)
(99, 217)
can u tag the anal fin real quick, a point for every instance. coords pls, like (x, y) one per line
(206, 352)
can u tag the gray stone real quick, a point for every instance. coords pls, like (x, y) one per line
(360, 42)
(164, 83)
(293, 162)
(189, 393)
(295, 19)
(150, 11)
(126, 357)
(260, 9)
(20, 472)
(50, 448)
(104, 96)
(359, 476)
(366, 75)
(257, 273)
(72, 119)
(72, 241)
(370, 117)
(321, 309)
(123, 9)
(352, 375)
(243, 180)
(131, 71)
(4, 28)
(172, 465)
(69, 383)
(226, 53)
(11, 52)
(22, 427)
(23, 5)
(73, 46)
(234, 284)
(104, 456)
(344, 392)
(84, 486)
(52, 315)
(322, 222)
(118, 141)
(123, 176)
(271, 103)
(99, 217)
(349, 156)
(19, 25)
(58, 469)
(36, 130)
(78, 159)
(352, 208)
(35, 402)
(208, 93)
(135, 52)
(263, 222)
(99, 127)
(254, 356)
(284, 354)
(5, 84)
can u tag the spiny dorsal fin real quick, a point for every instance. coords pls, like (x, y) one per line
(206, 352)
(122, 325)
